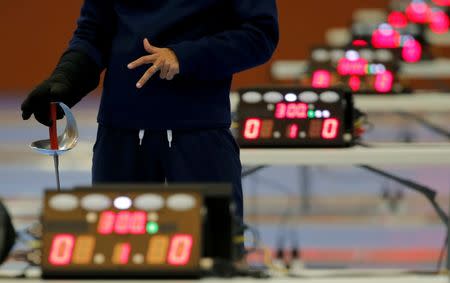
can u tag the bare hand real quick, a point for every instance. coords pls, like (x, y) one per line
(163, 60)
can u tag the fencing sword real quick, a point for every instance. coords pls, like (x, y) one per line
(57, 145)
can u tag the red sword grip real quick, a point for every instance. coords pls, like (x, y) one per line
(53, 130)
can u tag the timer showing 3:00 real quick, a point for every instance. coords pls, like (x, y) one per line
(127, 233)
(293, 117)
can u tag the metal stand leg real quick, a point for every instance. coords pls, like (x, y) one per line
(305, 189)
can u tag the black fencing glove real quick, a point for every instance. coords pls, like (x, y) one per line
(74, 77)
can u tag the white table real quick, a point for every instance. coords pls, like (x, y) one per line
(380, 154)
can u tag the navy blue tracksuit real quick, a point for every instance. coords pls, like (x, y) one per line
(212, 39)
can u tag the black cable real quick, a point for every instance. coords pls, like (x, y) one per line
(427, 124)
(251, 171)
(441, 255)
(427, 192)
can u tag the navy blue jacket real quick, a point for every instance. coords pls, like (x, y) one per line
(213, 39)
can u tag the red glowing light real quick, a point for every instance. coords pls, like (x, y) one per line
(106, 223)
(293, 131)
(439, 22)
(384, 82)
(125, 251)
(330, 129)
(252, 129)
(444, 3)
(122, 223)
(359, 43)
(291, 111)
(61, 249)
(386, 38)
(412, 51)
(397, 19)
(180, 250)
(280, 111)
(321, 79)
(352, 67)
(355, 83)
(418, 12)
(138, 223)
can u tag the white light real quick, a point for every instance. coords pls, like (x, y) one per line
(122, 203)
(352, 55)
(326, 114)
(386, 29)
(252, 97)
(291, 97)
(318, 114)
(321, 55)
(380, 68)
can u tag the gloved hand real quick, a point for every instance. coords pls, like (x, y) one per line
(74, 77)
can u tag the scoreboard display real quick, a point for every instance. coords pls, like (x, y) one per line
(360, 68)
(294, 117)
(129, 233)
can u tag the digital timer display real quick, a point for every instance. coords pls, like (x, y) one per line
(293, 117)
(118, 233)
(359, 67)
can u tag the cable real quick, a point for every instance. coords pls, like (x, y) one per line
(441, 256)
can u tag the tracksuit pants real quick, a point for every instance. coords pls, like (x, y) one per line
(187, 156)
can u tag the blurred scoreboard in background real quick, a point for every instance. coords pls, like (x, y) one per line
(361, 68)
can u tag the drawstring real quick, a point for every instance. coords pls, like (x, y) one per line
(170, 137)
(141, 136)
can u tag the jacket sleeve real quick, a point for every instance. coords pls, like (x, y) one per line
(250, 43)
(95, 29)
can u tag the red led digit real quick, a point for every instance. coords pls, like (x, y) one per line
(106, 223)
(61, 249)
(122, 223)
(293, 131)
(418, 12)
(384, 82)
(359, 43)
(386, 37)
(442, 2)
(397, 19)
(291, 112)
(355, 83)
(321, 79)
(330, 129)
(352, 67)
(280, 111)
(439, 22)
(252, 129)
(180, 250)
(121, 253)
(302, 111)
(138, 223)
(412, 51)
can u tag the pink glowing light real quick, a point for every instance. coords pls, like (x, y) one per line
(352, 67)
(397, 19)
(418, 11)
(355, 83)
(412, 51)
(439, 22)
(384, 82)
(321, 79)
(386, 37)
